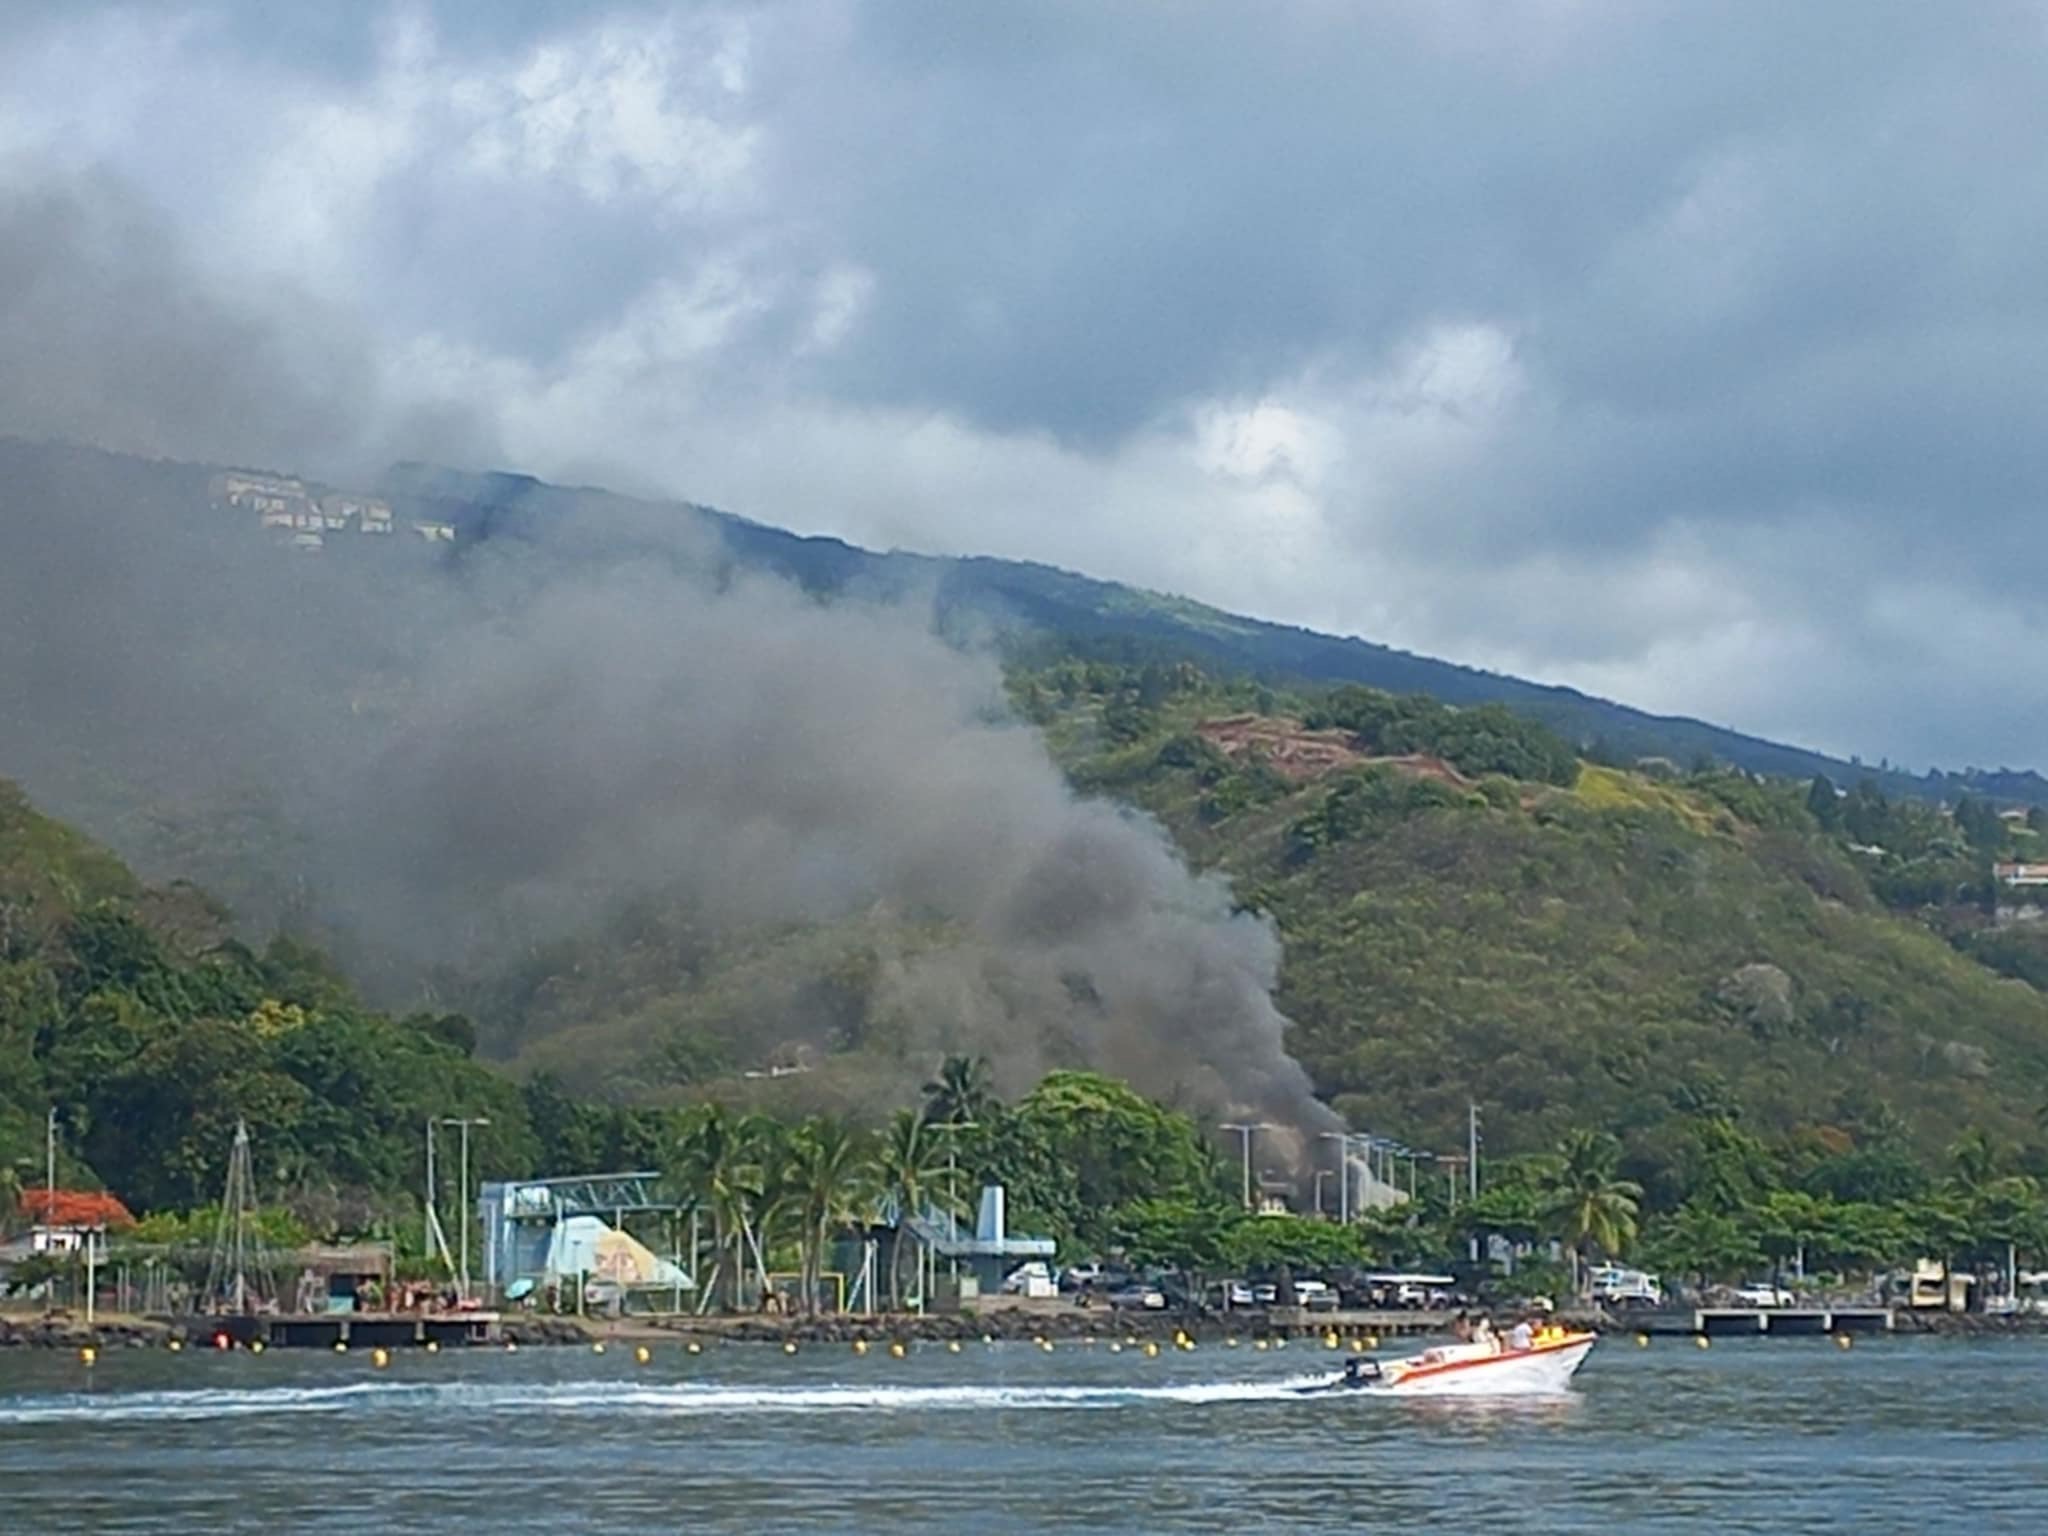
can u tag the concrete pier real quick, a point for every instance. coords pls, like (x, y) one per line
(1723, 1322)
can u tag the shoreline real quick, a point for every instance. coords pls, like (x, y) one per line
(1014, 1324)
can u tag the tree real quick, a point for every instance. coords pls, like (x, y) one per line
(1824, 803)
(1596, 1206)
(716, 1167)
(830, 1180)
(908, 1163)
(961, 1092)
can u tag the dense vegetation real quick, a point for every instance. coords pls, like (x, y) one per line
(1633, 949)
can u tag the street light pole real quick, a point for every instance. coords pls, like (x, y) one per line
(1244, 1136)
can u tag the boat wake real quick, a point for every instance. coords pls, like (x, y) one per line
(620, 1399)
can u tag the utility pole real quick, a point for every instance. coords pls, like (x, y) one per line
(50, 1166)
(431, 1222)
(1472, 1164)
(1244, 1136)
(464, 1122)
(1472, 1149)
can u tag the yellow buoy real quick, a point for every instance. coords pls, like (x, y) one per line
(380, 1358)
(257, 1346)
(1842, 1341)
(341, 1346)
(896, 1349)
(1642, 1341)
(1329, 1341)
(693, 1348)
(597, 1348)
(433, 1346)
(952, 1346)
(1046, 1345)
(860, 1346)
(175, 1345)
(1372, 1341)
(1230, 1342)
(1130, 1341)
(1151, 1349)
(1260, 1344)
(88, 1355)
(641, 1354)
(988, 1338)
(1280, 1343)
(1115, 1348)
(789, 1346)
(1701, 1341)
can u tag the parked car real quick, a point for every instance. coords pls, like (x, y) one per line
(1316, 1295)
(1031, 1279)
(1614, 1285)
(1081, 1277)
(1148, 1298)
(1235, 1293)
(1761, 1293)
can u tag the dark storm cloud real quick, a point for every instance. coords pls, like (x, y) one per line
(1764, 285)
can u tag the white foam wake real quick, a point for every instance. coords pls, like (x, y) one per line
(622, 1398)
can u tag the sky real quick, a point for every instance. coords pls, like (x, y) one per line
(1689, 354)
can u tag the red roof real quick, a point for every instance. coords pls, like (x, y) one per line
(75, 1208)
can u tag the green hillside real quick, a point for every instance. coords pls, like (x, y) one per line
(1610, 949)
(150, 1030)
(1566, 944)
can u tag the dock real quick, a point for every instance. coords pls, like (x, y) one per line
(1740, 1322)
(349, 1330)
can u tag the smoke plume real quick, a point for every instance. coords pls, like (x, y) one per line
(450, 754)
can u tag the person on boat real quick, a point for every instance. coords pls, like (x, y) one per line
(1522, 1336)
(1461, 1328)
(1482, 1333)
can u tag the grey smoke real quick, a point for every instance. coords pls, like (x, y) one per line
(444, 757)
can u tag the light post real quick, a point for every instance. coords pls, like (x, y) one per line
(1244, 1135)
(464, 1122)
(1321, 1174)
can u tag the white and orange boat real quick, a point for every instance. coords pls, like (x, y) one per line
(1469, 1370)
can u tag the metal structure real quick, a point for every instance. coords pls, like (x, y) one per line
(521, 1217)
(237, 1274)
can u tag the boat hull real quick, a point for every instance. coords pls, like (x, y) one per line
(1466, 1371)
(1526, 1373)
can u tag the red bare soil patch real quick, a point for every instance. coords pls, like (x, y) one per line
(1299, 754)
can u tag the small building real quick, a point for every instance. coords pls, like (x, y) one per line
(65, 1220)
(340, 1277)
(435, 533)
(365, 514)
(2018, 874)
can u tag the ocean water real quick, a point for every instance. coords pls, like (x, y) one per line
(1751, 1435)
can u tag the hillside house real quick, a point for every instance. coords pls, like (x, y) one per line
(365, 514)
(435, 533)
(2017, 874)
(279, 501)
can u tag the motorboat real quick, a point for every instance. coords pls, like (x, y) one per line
(1469, 1370)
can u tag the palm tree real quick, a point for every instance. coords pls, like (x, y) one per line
(717, 1166)
(1596, 1208)
(961, 1091)
(908, 1162)
(1976, 1160)
(832, 1181)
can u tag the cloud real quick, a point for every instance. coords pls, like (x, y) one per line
(1682, 353)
